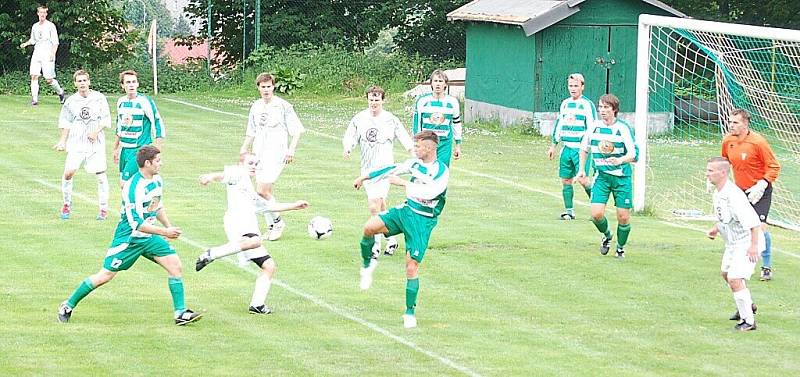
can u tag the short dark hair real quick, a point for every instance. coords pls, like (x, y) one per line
(427, 135)
(128, 72)
(147, 153)
(611, 100)
(265, 77)
(376, 89)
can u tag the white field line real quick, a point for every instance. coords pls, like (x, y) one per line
(478, 174)
(317, 301)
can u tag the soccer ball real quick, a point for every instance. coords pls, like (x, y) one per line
(320, 228)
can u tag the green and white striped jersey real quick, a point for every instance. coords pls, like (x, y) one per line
(141, 199)
(603, 141)
(440, 115)
(138, 121)
(375, 135)
(574, 118)
(426, 192)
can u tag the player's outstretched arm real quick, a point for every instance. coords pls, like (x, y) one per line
(211, 177)
(281, 207)
(360, 181)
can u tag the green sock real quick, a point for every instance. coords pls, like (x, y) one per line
(82, 291)
(602, 226)
(568, 193)
(588, 190)
(366, 249)
(622, 234)
(412, 288)
(176, 289)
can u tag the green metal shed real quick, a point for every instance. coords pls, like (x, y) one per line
(520, 52)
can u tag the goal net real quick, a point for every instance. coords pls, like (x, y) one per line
(691, 74)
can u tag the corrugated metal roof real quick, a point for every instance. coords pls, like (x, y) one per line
(531, 15)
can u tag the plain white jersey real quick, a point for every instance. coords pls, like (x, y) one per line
(43, 36)
(243, 200)
(82, 115)
(375, 135)
(270, 125)
(735, 217)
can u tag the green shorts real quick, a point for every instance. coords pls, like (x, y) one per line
(444, 151)
(121, 255)
(415, 227)
(620, 187)
(568, 163)
(127, 163)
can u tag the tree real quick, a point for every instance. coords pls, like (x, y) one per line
(423, 29)
(87, 38)
(352, 24)
(182, 27)
(140, 13)
(775, 13)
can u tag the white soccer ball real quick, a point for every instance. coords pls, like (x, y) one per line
(320, 228)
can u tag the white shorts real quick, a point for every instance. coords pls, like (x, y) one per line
(236, 226)
(377, 190)
(43, 67)
(269, 172)
(736, 263)
(93, 162)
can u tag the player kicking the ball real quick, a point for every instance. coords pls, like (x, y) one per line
(241, 226)
(416, 218)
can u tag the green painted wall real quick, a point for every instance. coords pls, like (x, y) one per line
(611, 12)
(529, 73)
(500, 65)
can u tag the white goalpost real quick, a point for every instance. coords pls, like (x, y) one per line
(690, 75)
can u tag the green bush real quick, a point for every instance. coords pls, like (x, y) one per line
(330, 69)
(171, 79)
(304, 68)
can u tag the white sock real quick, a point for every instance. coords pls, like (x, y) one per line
(263, 282)
(66, 190)
(744, 302)
(275, 215)
(35, 90)
(268, 216)
(102, 191)
(229, 248)
(378, 238)
(57, 87)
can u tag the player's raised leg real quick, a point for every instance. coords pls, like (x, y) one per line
(374, 225)
(247, 242)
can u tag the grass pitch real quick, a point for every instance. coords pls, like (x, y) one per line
(506, 288)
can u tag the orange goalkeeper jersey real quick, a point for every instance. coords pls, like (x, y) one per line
(751, 159)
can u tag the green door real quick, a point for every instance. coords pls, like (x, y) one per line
(621, 63)
(565, 50)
